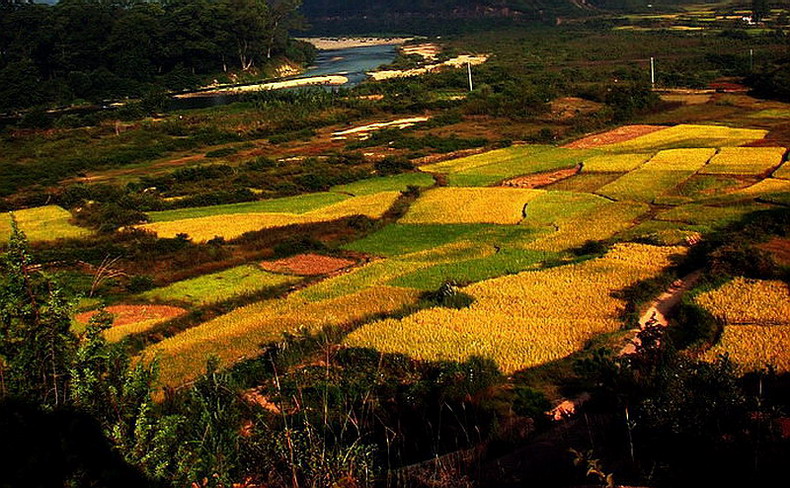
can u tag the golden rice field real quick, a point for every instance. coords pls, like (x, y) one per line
(491, 157)
(522, 320)
(754, 347)
(470, 206)
(745, 301)
(662, 173)
(688, 136)
(615, 163)
(239, 334)
(42, 224)
(234, 225)
(783, 172)
(744, 161)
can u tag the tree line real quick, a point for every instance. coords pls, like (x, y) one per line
(102, 49)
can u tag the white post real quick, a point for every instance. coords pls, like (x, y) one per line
(751, 59)
(469, 68)
(652, 72)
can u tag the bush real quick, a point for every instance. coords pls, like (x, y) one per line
(393, 165)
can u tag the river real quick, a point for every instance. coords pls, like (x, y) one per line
(354, 63)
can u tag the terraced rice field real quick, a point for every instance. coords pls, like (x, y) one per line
(756, 319)
(131, 319)
(538, 162)
(522, 320)
(289, 205)
(42, 224)
(661, 174)
(495, 241)
(384, 184)
(745, 161)
(231, 226)
(470, 206)
(240, 333)
(615, 163)
(307, 265)
(688, 136)
(219, 287)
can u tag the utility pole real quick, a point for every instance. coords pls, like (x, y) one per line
(469, 68)
(652, 72)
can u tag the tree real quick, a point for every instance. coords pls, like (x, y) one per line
(36, 345)
(760, 9)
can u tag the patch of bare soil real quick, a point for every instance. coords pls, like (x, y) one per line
(567, 108)
(621, 134)
(308, 265)
(779, 247)
(541, 179)
(133, 314)
(656, 314)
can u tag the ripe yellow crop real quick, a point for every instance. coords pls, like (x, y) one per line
(754, 347)
(484, 159)
(744, 301)
(470, 206)
(783, 172)
(662, 173)
(522, 320)
(234, 225)
(600, 223)
(687, 135)
(744, 161)
(614, 163)
(42, 224)
(239, 334)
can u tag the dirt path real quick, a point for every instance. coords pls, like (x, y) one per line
(656, 314)
(660, 308)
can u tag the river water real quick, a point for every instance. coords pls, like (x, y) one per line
(354, 63)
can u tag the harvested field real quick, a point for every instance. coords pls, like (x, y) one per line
(307, 264)
(779, 248)
(625, 133)
(132, 319)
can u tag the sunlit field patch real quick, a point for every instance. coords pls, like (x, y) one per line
(597, 224)
(290, 205)
(42, 224)
(689, 136)
(234, 225)
(615, 163)
(218, 287)
(131, 319)
(745, 301)
(549, 160)
(745, 160)
(522, 320)
(783, 172)
(755, 347)
(662, 173)
(239, 334)
(507, 154)
(470, 206)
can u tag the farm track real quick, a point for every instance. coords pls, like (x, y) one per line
(655, 315)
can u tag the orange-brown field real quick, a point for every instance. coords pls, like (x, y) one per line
(307, 264)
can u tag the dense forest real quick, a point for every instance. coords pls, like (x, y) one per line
(97, 49)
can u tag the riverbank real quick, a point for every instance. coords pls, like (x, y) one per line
(330, 43)
(334, 80)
